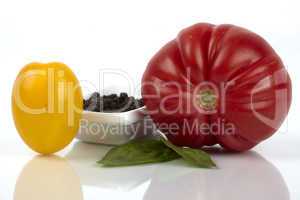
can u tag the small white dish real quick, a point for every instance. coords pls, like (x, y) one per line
(115, 128)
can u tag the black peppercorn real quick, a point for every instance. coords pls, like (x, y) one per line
(111, 103)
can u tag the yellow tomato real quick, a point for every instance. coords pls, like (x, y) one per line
(47, 106)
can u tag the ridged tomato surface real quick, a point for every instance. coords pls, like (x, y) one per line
(217, 85)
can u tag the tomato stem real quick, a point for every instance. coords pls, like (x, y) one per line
(207, 99)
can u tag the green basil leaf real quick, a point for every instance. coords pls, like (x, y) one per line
(196, 157)
(138, 152)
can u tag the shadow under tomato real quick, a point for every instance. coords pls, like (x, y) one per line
(244, 176)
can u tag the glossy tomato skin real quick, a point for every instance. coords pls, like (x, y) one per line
(46, 106)
(251, 86)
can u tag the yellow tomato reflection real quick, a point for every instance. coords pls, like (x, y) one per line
(48, 177)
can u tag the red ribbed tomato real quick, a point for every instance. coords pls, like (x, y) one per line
(217, 85)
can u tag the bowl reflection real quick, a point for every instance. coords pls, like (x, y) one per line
(83, 157)
(48, 177)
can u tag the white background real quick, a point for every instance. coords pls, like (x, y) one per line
(92, 35)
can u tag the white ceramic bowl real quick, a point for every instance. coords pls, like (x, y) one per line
(115, 128)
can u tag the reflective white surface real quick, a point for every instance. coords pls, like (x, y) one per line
(267, 172)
